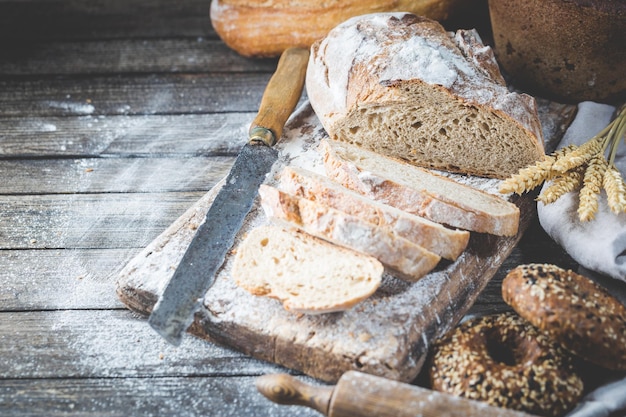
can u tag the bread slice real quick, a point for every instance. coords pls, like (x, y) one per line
(441, 240)
(409, 260)
(418, 190)
(307, 274)
(403, 86)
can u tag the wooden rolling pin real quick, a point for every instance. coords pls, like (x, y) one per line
(363, 395)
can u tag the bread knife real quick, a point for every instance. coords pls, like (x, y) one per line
(362, 395)
(184, 292)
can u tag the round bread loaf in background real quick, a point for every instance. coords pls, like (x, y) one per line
(568, 50)
(265, 28)
(572, 309)
(506, 362)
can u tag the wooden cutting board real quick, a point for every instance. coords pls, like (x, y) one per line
(387, 335)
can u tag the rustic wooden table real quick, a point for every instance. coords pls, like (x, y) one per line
(115, 117)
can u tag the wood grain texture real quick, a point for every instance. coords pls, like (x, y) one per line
(101, 344)
(114, 56)
(184, 135)
(113, 175)
(387, 335)
(90, 90)
(111, 220)
(25, 20)
(189, 396)
(133, 94)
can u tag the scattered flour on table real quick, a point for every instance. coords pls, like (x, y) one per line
(72, 107)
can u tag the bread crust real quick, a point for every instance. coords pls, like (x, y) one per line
(260, 28)
(423, 85)
(279, 263)
(454, 205)
(408, 260)
(575, 311)
(445, 242)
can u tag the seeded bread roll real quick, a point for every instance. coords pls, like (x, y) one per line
(506, 362)
(575, 311)
(408, 260)
(400, 85)
(445, 242)
(265, 28)
(419, 191)
(286, 264)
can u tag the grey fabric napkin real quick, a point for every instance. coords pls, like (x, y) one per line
(598, 245)
(607, 401)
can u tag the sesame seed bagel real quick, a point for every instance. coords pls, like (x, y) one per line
(572, 309)
(505, 361)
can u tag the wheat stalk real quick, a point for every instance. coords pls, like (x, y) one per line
(585, 167)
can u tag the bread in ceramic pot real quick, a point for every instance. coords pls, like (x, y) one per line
(402, 86)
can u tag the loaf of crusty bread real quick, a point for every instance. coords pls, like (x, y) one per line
(419, 191)
(400, 85)
(265, 28)
(307, 274)
(445, 242)
(408, 260)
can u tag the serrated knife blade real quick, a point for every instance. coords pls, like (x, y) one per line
(182, 297)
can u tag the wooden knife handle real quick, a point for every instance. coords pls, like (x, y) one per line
(280, 97)
(362, 395)
(285, 389)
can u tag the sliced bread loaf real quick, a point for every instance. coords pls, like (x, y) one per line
(409, 260)
(307, 274)
(418, 190)
(445, 242)
(403, 86)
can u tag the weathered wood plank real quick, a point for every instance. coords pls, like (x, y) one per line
(108, 344)
(182, 397)
(61, 279)
(150, 136)
(133, 94)
(88, 221)
(534, 247)
(127, 56)
(112, 175)
(23, 20)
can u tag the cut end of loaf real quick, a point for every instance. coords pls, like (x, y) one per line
(287, 265)
(427, 127)
(419, 191)
(408, 260)
(402, 86)
(445, 242)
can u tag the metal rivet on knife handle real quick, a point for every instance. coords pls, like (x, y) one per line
(280, 97)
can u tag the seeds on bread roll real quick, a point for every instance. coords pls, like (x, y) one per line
(307, 274)
(400, 85)
(572, 309)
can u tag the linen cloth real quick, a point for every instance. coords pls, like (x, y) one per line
(600, 244)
